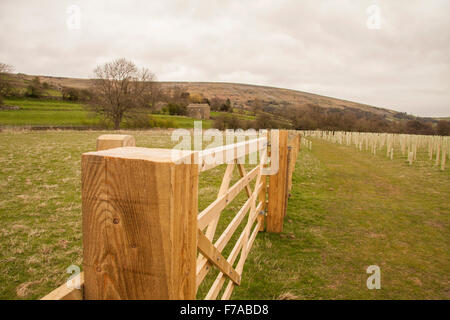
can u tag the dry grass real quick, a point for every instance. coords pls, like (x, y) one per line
(287, 296)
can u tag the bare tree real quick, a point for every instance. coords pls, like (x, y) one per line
(156, 93)
(4, 83)
(121, 90)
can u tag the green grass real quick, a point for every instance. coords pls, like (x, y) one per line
(182, 121)
(46, 113)
(348, 210)
(44, 105)
(53, 93)
(240, 116)
(62, 113)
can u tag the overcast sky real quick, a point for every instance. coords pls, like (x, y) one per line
(318, 46)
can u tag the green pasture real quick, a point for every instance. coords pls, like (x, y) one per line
(348, 210)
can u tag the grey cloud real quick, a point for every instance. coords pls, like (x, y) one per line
(320, 46)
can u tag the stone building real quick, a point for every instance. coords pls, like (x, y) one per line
(198, 111)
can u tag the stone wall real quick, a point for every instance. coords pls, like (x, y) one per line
(198, 111)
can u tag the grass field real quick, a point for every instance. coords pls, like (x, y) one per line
(61, 113)
(45, 113)
(348, 210)
(182, 121)
(241, 116)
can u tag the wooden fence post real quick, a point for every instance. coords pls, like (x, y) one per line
(293, 144)
(110, 141)
(278, 186)
(139, 224)
(262, 198)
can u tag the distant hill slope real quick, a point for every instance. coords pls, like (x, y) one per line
(240, 94)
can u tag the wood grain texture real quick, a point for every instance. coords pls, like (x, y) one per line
(247, 238)
(110, 141)
(222, 241)
(215, 257)
(65, 293)
(294, 144)
(250, 206)
(139, 225)
(262, 199)
(240, 267)
(240, 244)
(220, 279)
(230, 152)
(242, 173)
(277, 188)
(209, 213)
(202, 263)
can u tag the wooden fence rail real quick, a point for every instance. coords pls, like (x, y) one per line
(143, 237)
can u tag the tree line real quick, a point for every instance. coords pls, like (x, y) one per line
(313, 117)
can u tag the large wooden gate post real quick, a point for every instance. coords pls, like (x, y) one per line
(110, 141)
(139, 224)
(276, 207)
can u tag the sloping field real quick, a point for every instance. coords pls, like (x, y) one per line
(63, 114)
(237, 92)
(46, 113)
(348, 210)
(241, 93)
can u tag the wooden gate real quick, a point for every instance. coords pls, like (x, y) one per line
(143, 237)
(210, 254)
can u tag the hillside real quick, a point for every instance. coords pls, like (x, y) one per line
(239, 94)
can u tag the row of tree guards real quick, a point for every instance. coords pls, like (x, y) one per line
(143, 235)
(406, 146)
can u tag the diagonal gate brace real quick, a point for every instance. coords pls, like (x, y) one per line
(209, 251)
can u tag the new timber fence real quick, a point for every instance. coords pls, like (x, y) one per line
(143, 237)
(436, 148)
